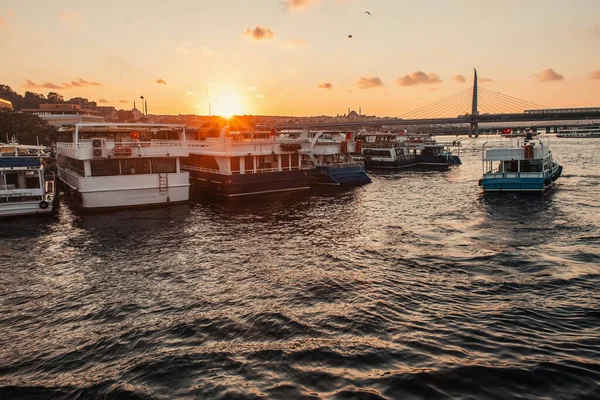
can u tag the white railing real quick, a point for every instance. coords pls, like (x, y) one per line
(65, 145)
(500, 175)
(345, 164)
(249, 171)
(110, 144)
(199, 169)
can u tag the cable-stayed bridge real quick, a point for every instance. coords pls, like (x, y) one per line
(472, 107)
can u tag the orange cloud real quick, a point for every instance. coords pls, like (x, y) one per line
(11, 12)
(103, 101)
(47, 85)
(2, 22)
(368, 82)
(548, 75)
(123, 101)
(325, 85)
(597, 28)
(69, 15)
(595, 75)
(80, 83)
(459, 79)
(418, 78)
(484, 80)
(68, 85)
(161, 82)
(296, 42)
(295, 4)
(259, 33)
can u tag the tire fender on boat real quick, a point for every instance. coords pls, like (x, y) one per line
(43, 204)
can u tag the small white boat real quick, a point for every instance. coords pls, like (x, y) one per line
(522, 165)
(24, 187)
(107, 166)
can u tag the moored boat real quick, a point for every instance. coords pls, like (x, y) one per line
(107, 166)
(233, 163)
(25, 188)
(430, 153)
(522, 166)
(385, 150)
(592, 131)
(331, 153)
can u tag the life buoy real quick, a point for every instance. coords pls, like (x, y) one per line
(43, 204)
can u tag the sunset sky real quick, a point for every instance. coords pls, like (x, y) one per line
(294, 57)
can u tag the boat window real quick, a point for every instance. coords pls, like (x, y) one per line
(249, 164)
(104, 167)
(76, 165)
(12, 180)
(32, 181)
(295, 160)
(235, 165)
(373, 152)
(285, 161)
(164, 165)
(135, 167)
(260, 162)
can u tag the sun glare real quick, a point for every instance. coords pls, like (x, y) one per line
(229, 106)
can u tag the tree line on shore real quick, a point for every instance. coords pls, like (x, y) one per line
(26, 128)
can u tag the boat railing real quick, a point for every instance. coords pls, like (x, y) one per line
(345, 164)
(18, 197)
(381, 145)
(71, 178)
(501, 175)
(237, 172)
(110, 143)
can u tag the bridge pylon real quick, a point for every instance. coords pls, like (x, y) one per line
(474, 127)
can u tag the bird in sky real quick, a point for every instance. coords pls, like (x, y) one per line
(349, 36)
(366, 12)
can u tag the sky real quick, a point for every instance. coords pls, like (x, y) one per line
(295, 57)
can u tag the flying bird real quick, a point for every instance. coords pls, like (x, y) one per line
(349, 36)
(366, 12)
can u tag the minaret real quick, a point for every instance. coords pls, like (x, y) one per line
(359, 111)
(134, 104)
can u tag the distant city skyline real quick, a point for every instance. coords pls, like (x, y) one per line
(301, 57)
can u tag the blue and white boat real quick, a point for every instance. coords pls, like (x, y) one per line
(524, 165)
(331, 152)
(25, 189)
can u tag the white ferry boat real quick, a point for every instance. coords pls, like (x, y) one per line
(385, 150)
(580, 132)
(24, 187)
(234, 163)
(518, 166)
(108, 165)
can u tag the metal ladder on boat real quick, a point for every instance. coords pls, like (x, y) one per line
(163, 183)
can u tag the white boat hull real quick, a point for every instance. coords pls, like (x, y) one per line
(125, 191)
(23, 208)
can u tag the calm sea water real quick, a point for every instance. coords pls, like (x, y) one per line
(414, 286)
